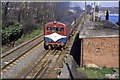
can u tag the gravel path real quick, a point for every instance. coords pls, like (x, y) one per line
(20, 69)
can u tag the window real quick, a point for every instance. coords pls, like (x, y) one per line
(55, 29)
(61, 29)
(48, 28)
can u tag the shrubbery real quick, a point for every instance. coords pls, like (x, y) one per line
(11, 33)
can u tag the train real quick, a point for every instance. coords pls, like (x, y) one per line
(56, 34)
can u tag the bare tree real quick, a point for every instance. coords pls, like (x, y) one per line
(5, 8)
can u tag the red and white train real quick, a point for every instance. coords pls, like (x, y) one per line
(56, 34)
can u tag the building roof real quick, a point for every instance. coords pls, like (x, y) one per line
(99, 29)
(113, 10)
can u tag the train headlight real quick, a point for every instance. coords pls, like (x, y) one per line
(46, 43)
(62, 44)
(54, 22)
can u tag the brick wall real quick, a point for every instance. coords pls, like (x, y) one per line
(101, 51)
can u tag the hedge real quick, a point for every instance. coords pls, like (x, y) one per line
(11, 32)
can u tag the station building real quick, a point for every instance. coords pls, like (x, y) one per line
(99, 44)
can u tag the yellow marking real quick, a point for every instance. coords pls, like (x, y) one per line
(8, 67)
(17, 60)
(28, 77)
(14, 63)
(58, 76)
(11, 65)
(1, 73)
(22, 57)
(4, 70)
(6, 62)
(16, 74)
(11, 60)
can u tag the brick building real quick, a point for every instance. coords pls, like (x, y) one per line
(99, 44)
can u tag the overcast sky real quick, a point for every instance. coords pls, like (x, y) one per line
(101, 3)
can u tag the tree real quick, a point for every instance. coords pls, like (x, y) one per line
(107, 15)
(88, 8)
(77, 9)
(61, 9)
(29, 14)
(96, 8)
(5, 8)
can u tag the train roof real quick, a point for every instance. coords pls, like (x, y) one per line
(55, 22)
(99, 29)
(66, 19)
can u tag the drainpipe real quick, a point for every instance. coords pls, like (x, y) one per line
(119, 15)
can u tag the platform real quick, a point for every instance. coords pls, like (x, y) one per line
(69, 70)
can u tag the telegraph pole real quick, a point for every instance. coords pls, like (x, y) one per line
(94, 12)
(85, 11)
(85, 7)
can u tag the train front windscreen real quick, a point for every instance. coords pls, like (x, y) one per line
(55, 29)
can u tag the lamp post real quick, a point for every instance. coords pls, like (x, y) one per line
(85, 7)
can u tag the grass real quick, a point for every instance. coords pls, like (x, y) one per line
(22, 39)
(28, 36)
(94, 73)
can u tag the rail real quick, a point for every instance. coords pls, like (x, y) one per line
(16, 53)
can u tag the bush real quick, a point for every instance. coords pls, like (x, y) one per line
(11, 33)
(95, 73)
(29, 27)
(28, 36)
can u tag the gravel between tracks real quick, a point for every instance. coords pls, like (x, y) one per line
(25, 64)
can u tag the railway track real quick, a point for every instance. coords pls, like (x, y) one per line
(42, 65)
(56, 65)
(13, 56)
(54, 70)
(48, 65)
(47, 68)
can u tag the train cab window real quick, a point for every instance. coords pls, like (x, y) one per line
(55, 29)
(61, 29)
(48, 28)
